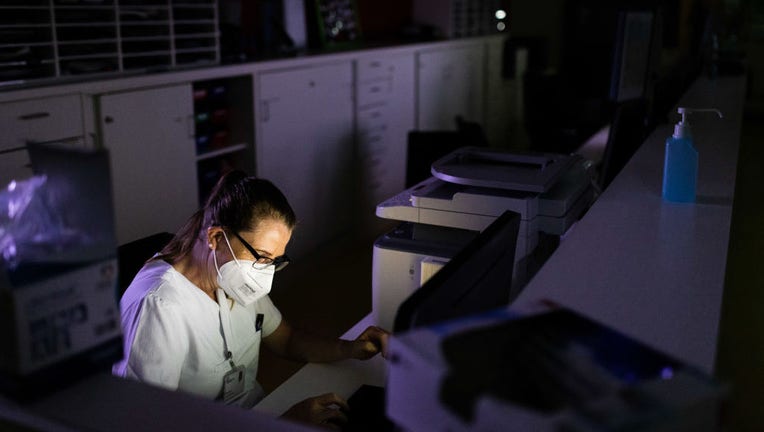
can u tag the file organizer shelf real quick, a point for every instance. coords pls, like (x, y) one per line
(55, 39)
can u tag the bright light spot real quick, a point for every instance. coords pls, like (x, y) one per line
(501, 14)
(667, 373)
(500, 26)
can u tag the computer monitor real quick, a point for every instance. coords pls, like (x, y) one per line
(632, 56)
(627, 132)
(477, 279)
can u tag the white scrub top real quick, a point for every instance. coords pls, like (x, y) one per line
(173, 336)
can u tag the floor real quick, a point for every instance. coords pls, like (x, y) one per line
(330, 291)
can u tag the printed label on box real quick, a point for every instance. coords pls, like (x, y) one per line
(65, 315)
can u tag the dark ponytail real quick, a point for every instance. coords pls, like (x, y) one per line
(237, 202)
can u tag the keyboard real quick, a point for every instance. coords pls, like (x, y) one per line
(367, 411)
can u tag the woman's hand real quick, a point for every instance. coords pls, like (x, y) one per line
(327, 410)
(371, 342)
(306, 347)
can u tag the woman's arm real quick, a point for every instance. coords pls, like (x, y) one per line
(300, 345)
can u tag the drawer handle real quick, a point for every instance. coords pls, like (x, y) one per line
(68, 140)
(34, 116)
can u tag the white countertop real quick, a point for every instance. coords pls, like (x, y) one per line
(342, 378)
(649, 268)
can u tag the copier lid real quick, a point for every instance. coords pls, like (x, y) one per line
(493, 168)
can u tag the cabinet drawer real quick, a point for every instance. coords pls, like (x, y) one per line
(14, 165)
(375, 81)
(372, 118)
(380, 79)
(371, 69)
(40, 120)
(374, 91)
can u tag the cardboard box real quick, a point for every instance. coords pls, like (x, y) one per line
(59, 313)
(58, 329)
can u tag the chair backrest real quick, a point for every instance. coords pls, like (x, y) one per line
(133, 255)
(627, 132)
(424, 148)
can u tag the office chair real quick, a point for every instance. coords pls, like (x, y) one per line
(131, 256)
(627, 133)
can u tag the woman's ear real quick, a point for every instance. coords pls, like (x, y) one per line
(214, 237)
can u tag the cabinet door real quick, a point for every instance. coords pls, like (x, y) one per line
(149, 135)
(305, 147)
(450, 83)
(384, 116)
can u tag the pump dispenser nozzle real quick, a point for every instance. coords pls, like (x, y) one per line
(682, 129)
(680, 166)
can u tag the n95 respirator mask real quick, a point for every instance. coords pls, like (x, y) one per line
(241, 280)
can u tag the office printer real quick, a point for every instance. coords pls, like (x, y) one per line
(542, 369)
(471, 187)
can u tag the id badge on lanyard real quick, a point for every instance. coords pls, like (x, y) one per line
(233, 383)
(233, 380)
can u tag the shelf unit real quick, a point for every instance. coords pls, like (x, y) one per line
(57, 38)
(223, 125)
(327, 129)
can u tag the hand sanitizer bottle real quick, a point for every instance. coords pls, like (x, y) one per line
(680, 167)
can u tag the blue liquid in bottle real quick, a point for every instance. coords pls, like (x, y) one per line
(680, 170)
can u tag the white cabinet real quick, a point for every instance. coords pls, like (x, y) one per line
(449, 84)
(43, 119)
(384, 115)
(305, 146)
(330, 131)
(150, 137)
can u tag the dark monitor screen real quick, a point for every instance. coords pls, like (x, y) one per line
(631, 57)
(627, 132)
(477, 279)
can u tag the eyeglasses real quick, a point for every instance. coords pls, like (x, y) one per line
(262, 262)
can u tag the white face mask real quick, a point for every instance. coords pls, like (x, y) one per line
(242, 282)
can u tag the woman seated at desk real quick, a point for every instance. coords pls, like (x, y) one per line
(195, 314)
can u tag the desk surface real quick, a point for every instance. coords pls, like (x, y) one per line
(342, 378)
(649, 268)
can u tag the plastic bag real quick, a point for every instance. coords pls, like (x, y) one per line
(32, 226)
